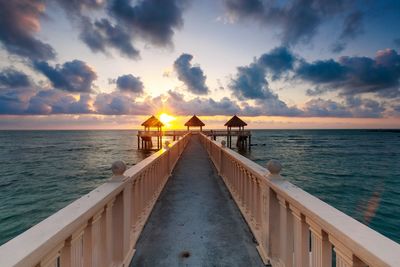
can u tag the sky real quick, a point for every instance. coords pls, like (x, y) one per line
(109, 64)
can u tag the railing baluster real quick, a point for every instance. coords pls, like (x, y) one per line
(344, 256)
(321, 248)
(117, 229)
(301, 238)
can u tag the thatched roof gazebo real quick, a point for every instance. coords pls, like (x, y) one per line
(235, 121)
(152, 122)
(147, 135)
(194, 122)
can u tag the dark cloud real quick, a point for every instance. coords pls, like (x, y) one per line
(325, 108)
(130, 83)
(120, 104)
(352, 107)
(100, 35)
(72, 76)
(192, 76)
(36, 101)
(13, 78)
(154, 20)
(352, 27)
(47, 102)
(322, 71)
(250, 83)
(298, 20)
(278, 61)
(356, 75)
(19, 21)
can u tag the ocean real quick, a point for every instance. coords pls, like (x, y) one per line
(352, 170)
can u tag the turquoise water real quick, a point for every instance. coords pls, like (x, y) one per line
(356, 171)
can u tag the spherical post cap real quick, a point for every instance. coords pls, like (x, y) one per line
(223, 143)
(274, 166)
(118, 168)
(166, 144)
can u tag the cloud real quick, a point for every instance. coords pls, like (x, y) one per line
(37, 101)
(356, 75)
(352, 107)
(200, 106)
(101, 34)
(153, 20)
(72, 76)
(352, 27)
(298, 20)
(250, 82)
(117, 103)
(47, 102)
(278, 61)
(13, 78)
(130, 83)
(192, 76)
(19, 21)
(322, 71)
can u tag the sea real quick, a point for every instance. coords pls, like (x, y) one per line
(356, 171)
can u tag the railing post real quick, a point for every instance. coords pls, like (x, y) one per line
(88, 244)
(97, 238)
(65, 255)
(109, 233)
(344, 256)
(277, 218)
(118, 229)
(321, 248)
(301, 238)
(127, 223)
(221, 157)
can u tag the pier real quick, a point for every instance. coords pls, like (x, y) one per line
(198, 203)
(144, 138)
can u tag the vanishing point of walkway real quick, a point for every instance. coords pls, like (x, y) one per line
(195, 222)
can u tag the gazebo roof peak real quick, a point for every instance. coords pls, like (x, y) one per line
(235, 121)
(194, 122)
(152, 122)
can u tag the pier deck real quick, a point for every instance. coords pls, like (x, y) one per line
(195, 222)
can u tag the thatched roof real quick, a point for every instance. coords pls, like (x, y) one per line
(152, 122)
(235, 121)
(194, 122)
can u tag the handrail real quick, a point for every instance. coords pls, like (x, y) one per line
(102, 227)
(293, 227)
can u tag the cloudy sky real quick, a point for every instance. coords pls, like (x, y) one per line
(102, 64)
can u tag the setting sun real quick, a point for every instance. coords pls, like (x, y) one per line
(167, 119)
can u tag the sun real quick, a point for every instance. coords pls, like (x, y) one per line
(167, 119)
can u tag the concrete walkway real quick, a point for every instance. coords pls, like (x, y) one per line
(195, 222)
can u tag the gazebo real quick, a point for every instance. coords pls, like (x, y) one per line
(194, 122)
(236, 122)
(152, 122)
(147, 134)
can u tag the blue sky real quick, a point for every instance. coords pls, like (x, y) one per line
(280, 64)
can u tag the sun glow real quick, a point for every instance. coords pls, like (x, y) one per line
(167, 119)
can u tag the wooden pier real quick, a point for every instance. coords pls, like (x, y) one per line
(199, 203)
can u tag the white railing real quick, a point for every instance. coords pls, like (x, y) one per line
(102, 227)
(292, 227)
